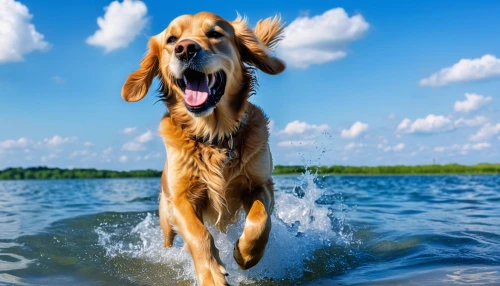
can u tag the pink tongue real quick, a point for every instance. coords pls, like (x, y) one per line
(196, 92)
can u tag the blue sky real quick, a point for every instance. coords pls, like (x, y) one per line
(367, 82)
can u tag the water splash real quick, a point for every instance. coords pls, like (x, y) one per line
(301, 228)
(299, 210)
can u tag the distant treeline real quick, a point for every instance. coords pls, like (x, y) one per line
(483, 168)
(57, 173)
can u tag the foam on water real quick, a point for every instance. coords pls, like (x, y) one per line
(300, 228)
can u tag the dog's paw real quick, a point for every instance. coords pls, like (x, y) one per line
(243, 255)
(215, 275)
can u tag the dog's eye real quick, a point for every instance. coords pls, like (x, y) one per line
(171, 39)
(214, 35)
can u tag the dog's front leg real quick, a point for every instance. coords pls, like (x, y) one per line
(165, 210)
(258, 205)
(199, 242)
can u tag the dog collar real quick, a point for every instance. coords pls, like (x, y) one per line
(217, 142)
(232, 154)
(228, 141)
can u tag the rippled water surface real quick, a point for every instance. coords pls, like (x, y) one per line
(386, 230)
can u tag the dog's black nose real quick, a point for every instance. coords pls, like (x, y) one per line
(186, 50)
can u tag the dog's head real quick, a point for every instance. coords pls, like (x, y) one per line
(202, 62)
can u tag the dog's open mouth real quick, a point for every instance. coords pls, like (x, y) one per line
(202, 91)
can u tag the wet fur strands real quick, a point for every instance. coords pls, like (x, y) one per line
(218, 157)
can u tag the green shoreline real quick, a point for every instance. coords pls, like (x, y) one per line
(44, 173)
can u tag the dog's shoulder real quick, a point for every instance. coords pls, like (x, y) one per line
(257, 122)
(255, 133)
(172, 133)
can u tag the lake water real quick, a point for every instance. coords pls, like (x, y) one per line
(349, 230)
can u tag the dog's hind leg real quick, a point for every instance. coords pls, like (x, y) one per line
(258, 205)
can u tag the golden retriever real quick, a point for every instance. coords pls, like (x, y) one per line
(218, 157)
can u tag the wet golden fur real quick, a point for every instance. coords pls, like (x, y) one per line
(198, 182)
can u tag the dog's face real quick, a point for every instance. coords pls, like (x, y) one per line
(201, 60)
(202, 56)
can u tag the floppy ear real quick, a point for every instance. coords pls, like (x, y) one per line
(138, 82)
(254, 46)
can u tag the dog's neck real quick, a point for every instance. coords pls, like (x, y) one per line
(220, 140)
(212, 129)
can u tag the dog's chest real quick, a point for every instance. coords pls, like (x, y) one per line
(217, 161)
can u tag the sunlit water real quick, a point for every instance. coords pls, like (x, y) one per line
(384, 230)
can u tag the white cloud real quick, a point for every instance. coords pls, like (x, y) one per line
(430, 124)
(10, 143)
(123, 158)
(391, 116)
(107, 151)
(472, 102)
(299, 127)
(356, 129)
(440, 149)
(404, 125)
(138, 143)
(478, 146)
(396, 148)
(88, 144)
(145, 137)
(296, 143)
(129, 130)
(487, 131)
(121, 23)
(320, 39)
(353, 145)
(58, 140)
(471, 122)
(438, 123)
(463, 149)
(17, 35)
(132, 146)
(465, 70)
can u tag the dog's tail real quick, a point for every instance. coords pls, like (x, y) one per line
(269, 31)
